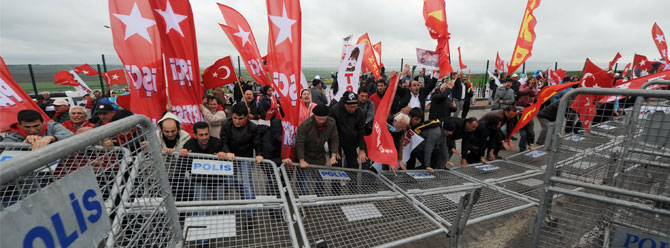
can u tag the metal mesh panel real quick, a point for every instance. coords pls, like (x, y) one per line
(491, 204)
(495, 170)
(418, 180)
(321, 181)
(530, 186)
(364, 222)
(125, 158)
(537, 158)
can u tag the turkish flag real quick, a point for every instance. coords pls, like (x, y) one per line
(370, 62)
(220, 73)
(61, 75)
(435, 18)
(636, 84)
(616, 58)
(531, 111)
(443, 50)
(13, 99)
(378, 48)
(115, 77)
(526, 37)
(500, 64)
(625, 70)
(239, 33)
(67, 81)
(86, 69)
(643, 66)
(381, 148)
(659, 40)
(176, 27)
(284, 54)
(593, 76)
(138, 44)
(585, 106)
(553, 76)
(460, 61)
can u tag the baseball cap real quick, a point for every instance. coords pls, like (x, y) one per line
(349, 98)
(317, 77)
(60, 101)
(104, 108)
(515, 75)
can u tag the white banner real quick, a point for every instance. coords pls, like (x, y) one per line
(83, 88)
(350, 70)
(346, 43)
(410, 141)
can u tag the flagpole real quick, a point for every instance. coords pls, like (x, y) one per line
(244, 100)
(167, 89)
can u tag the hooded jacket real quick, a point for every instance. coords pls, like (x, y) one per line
(51, 128)
(182, 136)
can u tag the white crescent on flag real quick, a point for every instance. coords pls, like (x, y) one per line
(227, 71)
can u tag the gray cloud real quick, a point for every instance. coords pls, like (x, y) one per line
(568, 31)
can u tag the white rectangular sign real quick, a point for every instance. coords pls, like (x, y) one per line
(575, 138)
(530, 182)
(5, 155)
(535, 154)
(212, 167)
(216, 226)
(333, 175)
(361, 212)
(420, 175)
(606, 127)
(628, 237)
(67, 213)
(486, 167)
(455, 197)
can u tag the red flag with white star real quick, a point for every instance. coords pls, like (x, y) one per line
(284, 54)
(13, 99)
(643, 66)
(115, 77)
(593, 76)
(625, 70)
(636, 84)
(86, 69)
(137, 42)
(218, 74)
(239, 33)
(585, 106)
(176, 27)
(659, 40)
(500, 64)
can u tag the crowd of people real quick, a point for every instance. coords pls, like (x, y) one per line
(242, 120)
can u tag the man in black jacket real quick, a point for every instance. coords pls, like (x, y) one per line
(240, 138)
(442, 103)
(203, 142)
(456, 128)
(351, 129)
(413, 97)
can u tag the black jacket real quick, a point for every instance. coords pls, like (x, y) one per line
(457, 91)
(350, 127)
(242, 141)
(403, 96)
(440, 105)
(213, 146)
(549, 112)
(459, 133)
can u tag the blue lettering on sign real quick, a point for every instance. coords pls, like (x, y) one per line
(213, 167)
(337, 175)
(3, 158)
(420, 175)
(93, 208)
(633, 240)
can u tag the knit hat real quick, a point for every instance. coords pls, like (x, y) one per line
(320, 110)
(448, 125)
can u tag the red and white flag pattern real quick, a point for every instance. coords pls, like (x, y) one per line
(500, 64)
(86, 69)
(284, 44)
(659, 40)
(381, 148)
(220, 73)
(13, 99)
(616, 58)
(115, 77)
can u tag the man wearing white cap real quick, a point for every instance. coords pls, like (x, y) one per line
(62, 109)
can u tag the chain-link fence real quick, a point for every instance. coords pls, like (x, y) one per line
(106, 187)
(607, 180)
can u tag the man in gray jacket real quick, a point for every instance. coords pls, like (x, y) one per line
(504, 95)
(313, 133)
(318, 96)
(30, 128)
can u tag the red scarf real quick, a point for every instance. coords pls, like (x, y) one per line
(273, 110)
(18, 129)
(318, 127)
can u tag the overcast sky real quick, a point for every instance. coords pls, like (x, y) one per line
(568, 31)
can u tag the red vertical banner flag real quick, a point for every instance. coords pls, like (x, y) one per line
(138, 44)
(13, 99)
(526, 37)
(176, 27)
(443, 50)
(370, 62)
(460, 61)
(239, 33)
(378, 48)
(500, 64)
(284, 39)
(659, 40)
(614, 60)
(435, 17)
(381, 148)
(531, 111)
(220, 73)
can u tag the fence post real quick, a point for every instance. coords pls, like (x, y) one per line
(104, 64)
(556, 67)
(485, 74)
(523, 70)
(102, 86)
(32, 78)
(401, 63)
(239, 68)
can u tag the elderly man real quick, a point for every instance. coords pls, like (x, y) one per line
(213, 117)
(170, 135)
(62, 108)
(30, 128)
(313, 133)
(78, 119)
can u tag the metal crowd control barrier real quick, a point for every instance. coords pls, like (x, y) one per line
(625, 196)
(106, 187)
(537, 158)
(224, 203)
(342, 207)
(496, 170)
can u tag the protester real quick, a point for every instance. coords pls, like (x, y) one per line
(415, 96)
(239, 88)
(504, 96)
(432, 152)
(507, 115)
(170, 135)
(268, 107)
(527, 93)
(62, 110)
(203, 142)
(78, 119)
(213, 116)
(366, 106)
(376, 98)
(442, 102)
(105, 113)
(250, 101)
(422, 77)
(30, 128)
(313, 133)
(469, 94)
(546, 117)
(305, 105)
(397, 126)
(480, 142)
(459, 92)
(351, 129)
(316, 91)
(456, 128)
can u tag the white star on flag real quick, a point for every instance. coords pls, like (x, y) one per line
(136, 24)
(284, 23)
(215, 74)
(659, 38)
(172, 20)
(84, 71)
(242, 34)
(115, 77)
(642, 62)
